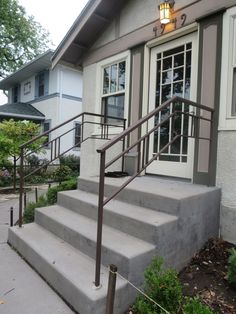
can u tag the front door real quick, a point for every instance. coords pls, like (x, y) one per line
(173, 69)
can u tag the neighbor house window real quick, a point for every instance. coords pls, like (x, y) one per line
(16, 94)
(77, 138)
(41, 84)
(46, 127)
(113, 94)
(27, 88)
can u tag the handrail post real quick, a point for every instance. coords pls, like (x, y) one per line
(100, 218)
(21, 185)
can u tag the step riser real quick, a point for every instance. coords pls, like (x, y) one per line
(136, 228)
(65, 288)
(131, 268)
(142, 199)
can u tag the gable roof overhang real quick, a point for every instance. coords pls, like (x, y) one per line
(22, 111)
(37, 65)
(96, 15)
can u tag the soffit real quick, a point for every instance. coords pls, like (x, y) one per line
(87, 28)
(38, 64)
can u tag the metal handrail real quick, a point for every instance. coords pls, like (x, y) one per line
(55, 147)
(143, 161)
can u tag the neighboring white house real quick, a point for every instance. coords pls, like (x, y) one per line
(50, 97)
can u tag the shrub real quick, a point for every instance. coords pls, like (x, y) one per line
(71, 161)
(194, 306)
(49, 199)
(163, 286)
(64, 186)
(62, 173)
(35, 162)
(30, 208)
(231, 274)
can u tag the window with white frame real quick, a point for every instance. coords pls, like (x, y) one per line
(113, 92)
(42, 84)
(77, 135)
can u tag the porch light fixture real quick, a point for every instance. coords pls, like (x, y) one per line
(165, 11)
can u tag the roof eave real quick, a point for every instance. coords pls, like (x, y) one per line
(74, 31)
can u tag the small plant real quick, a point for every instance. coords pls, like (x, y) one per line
(30, 208)
(231, 274)
(64, 186)
(72, 161)
(62, 173)
(163, 286)
(194, 306)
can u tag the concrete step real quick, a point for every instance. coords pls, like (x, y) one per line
(70, 272)
(137, 221)
(169, 196)
(131, 255)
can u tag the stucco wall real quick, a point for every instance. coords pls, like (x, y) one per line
(71, 82)
(226, 180)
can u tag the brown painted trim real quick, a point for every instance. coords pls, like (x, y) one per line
(211, 15)
(200, 177)
(134, 50)
(194, 11)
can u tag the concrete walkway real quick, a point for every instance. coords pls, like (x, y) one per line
(22, 291)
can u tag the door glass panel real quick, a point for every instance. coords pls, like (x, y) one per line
(167, 63)
(173, 79)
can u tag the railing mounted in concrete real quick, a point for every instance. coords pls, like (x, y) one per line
(173, 109)
(54, 138)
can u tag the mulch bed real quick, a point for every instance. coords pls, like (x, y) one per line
(205, 276)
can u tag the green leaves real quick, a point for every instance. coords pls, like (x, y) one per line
(15, 133)
(231, 274)
(21, 37)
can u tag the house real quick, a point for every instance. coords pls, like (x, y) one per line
(46, 96)
(171, 75)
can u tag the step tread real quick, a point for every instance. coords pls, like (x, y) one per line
(73, 264)
(112, 239)
(142, 214)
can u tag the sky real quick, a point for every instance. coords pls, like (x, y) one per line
(55, 16)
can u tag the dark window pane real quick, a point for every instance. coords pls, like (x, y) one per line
(121, 82)
(173, 51)
(46, 127)
(77, 140)
(167, 77)
(158, 82)
(167, 63)
(189, 46)
(41, 88)
(106, 77)
(169, 158)
(178, 74)
(158, 56)
(184, 159)
(113, 86)
(114, 107)
(178, 89)
(166, 92)
(179, 60)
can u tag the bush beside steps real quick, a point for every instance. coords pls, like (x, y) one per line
(49, 198)
(163, 286)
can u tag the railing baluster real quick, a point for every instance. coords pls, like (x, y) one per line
(100, 218)
(21, 185)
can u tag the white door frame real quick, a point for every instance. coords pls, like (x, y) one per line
(170, 168)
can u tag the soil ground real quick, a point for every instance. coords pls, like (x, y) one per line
(205, 276)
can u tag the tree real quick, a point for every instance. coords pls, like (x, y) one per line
(21, 37)
(15, 133)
